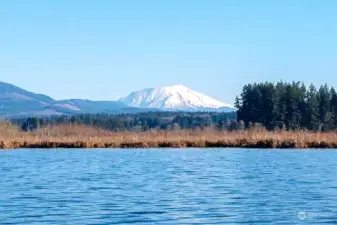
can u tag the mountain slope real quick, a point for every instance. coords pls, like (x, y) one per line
(89, 106)
(11, 92)
(17, 102)
(177, 97)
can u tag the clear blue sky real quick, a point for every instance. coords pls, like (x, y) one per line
(103, 50)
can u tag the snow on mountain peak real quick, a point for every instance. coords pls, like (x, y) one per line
(176, 97)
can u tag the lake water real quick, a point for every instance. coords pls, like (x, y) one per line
(220, 186)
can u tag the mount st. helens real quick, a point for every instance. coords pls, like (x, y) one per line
(177, 97)
(17, 102)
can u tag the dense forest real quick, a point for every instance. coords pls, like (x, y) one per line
(290, 106)
(138, 122)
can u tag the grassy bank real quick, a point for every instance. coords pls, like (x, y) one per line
(75, 136)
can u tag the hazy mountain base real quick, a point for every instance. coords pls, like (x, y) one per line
(28, 108)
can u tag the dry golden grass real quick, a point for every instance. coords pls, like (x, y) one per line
(76, 136)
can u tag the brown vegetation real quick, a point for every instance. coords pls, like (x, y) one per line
(76, 136)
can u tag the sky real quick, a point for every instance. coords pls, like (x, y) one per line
(104, 49)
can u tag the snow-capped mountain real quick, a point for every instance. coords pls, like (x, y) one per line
(177, 97)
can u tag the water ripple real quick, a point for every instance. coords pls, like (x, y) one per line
(168, 187)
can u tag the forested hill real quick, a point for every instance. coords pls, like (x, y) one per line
(138, 122)
(289, 106)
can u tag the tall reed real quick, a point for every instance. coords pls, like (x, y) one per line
(77, 136)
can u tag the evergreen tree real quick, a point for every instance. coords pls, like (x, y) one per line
(312, 112)
(267, 103)
(289, 105)
(333, 107)
(279, 111)
(324, 106)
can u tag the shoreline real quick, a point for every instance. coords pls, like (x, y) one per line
(261, 144)
(74, 136)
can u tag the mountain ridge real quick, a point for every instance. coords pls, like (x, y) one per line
(17, 102)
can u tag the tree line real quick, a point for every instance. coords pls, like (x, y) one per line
(281, 105)
(138, 122)
(290, 106)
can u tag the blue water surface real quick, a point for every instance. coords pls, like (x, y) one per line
(195, 186)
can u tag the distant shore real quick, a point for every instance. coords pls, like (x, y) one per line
(88, 137)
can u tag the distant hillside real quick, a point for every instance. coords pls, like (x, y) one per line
(16, 102)
(12, 93)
